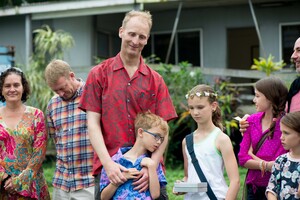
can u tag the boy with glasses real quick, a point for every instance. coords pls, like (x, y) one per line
(150, 130)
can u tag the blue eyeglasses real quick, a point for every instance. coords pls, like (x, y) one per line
(156, 136)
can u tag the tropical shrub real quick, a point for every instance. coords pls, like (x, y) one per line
(267, 65)
(179, 79)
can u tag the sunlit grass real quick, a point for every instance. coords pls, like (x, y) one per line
(49, 168)
(177, 174)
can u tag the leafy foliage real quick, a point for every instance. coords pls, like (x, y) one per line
(179, 79)
(48, 45)
(228, 97)
(267, 65)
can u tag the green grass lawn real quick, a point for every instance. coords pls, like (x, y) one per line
(177, 174)
(172, 176)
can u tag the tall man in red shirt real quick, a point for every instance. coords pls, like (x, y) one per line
(116, 90)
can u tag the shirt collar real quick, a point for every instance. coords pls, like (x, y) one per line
(79, 90)
(122, 160)
(118, 64)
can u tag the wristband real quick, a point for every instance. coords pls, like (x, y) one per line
(262, 167)
(267, 170)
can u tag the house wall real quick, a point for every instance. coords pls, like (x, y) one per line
(80, 57)
(12, 32)
(214, 21)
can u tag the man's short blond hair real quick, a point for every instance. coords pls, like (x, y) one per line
(56, 69)
(142, 14)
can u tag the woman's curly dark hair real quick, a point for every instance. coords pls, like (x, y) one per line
(25, 83)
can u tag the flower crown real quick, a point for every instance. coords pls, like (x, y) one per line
(200, 94)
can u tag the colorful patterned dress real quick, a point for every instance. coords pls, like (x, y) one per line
(22, 152)
(285, 178)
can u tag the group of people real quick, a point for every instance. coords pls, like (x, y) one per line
(111, 131)
(270, 148)
(107, 130)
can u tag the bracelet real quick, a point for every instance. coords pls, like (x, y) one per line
(267, 166)
(260, 165)
(263, 166)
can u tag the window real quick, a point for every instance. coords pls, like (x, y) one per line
(189, 47)
(186, 47)
(108, 45)
(103, 45)
(158, 45)
(289, 34)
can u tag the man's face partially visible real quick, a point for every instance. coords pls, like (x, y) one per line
(296, 55)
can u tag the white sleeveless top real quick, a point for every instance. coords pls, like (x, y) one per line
(212, 165)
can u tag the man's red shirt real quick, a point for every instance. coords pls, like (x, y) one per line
(110, 92)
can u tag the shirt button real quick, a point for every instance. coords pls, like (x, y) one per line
(128, 115)
(128, 84)
(128, 100)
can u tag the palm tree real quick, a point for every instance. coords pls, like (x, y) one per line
(48, 45)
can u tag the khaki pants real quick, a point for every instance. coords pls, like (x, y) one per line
(83, 194)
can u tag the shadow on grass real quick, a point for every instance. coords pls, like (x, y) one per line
(172, 175)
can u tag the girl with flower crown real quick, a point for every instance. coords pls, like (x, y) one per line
(261, 143)
(212, 148)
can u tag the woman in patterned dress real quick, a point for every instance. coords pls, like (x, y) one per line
(23, 140)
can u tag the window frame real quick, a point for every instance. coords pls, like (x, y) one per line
(199, 30)
(281, 25)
